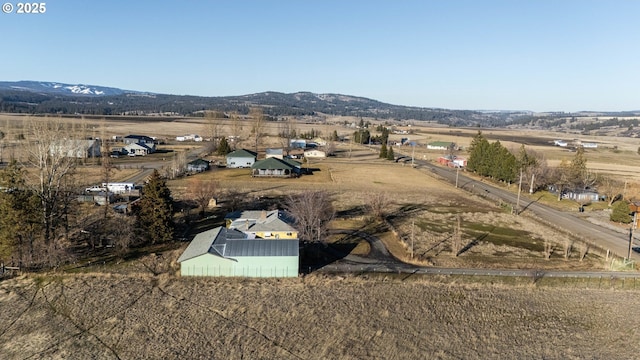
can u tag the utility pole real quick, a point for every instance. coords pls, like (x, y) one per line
(533, 177)
(412, 225)
(413, 151)
(457, 171)
(633, 225)
(519, 190)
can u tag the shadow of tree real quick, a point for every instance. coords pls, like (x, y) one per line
(314, 256)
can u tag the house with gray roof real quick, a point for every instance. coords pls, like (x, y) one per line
(274, 224)
(230, 252)
(198, 165)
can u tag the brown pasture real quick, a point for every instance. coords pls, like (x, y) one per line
(109, 316)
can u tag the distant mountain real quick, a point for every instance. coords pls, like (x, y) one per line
(59, 98)
(46, 87)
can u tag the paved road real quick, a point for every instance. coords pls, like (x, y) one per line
(381, 261)
(616, 242)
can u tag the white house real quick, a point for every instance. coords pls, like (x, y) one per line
(230, 252)
(137, 149)
(561, 143)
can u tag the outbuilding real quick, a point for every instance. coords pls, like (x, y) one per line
(230, 252)
(241, 158)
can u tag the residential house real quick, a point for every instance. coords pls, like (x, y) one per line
(134, 149)
(241, 158)
(274, 167)
(80, 149)
(276, 153)
(198, 165)
(439, 145)
(274, 224)
(315, 153)
(581, 195)
(144, 140)
(230, 252)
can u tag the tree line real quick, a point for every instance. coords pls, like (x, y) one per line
(529, 168)
(42, 222)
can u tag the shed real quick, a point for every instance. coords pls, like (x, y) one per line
(439, 145)
(276, 153)
(241, 158)
(229, 252)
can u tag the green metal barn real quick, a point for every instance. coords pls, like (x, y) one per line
(230, 252)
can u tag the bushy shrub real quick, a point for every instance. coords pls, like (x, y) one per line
(620, 212)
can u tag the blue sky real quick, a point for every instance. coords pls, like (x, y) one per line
(516, 55)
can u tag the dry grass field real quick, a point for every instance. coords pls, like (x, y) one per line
(102, 316)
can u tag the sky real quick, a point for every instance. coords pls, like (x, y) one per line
(542, 55)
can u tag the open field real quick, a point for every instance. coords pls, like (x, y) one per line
(145, 317)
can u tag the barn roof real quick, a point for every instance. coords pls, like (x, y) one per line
(230, 243)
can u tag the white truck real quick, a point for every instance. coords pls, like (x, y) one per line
(119, 188)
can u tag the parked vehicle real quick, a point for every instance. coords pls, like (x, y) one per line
(119, 188)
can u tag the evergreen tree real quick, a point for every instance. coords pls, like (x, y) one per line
(156, 210)
(383, 151)
(334, 137)
(479, 156)
(223, 147)
(19, 222)
(620, 212)
(390, 154)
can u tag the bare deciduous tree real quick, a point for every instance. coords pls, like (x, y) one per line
(378, 204)
(236, 129)
(257, 126)
(568, 248)
(201, 192)
(178, 165)
(213, 126)
(611, 188)
(312, 211)
(548, 249)
(234, 199)
(52, 154)
(584, 249)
